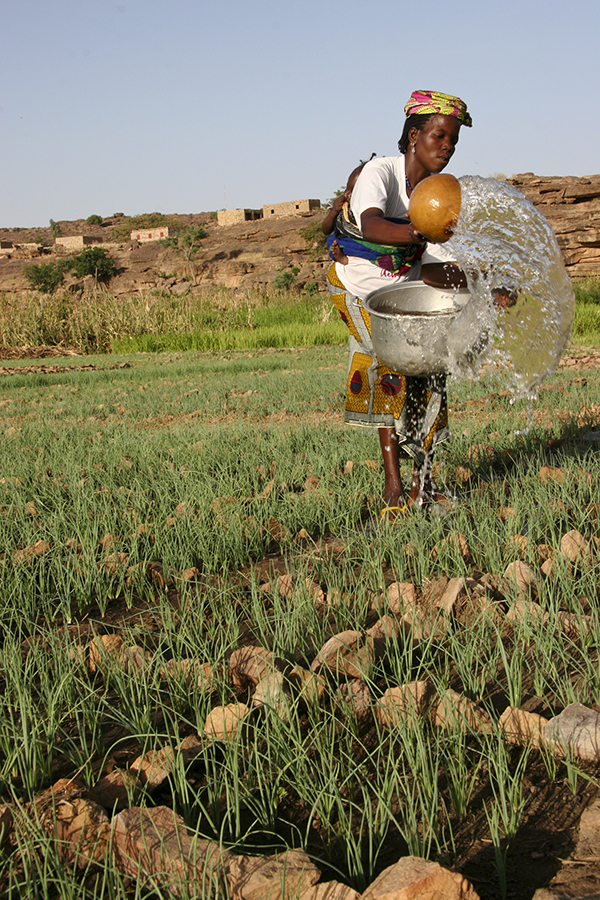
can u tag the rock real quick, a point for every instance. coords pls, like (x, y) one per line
(330, 890)
(574, 626)
(356, 695)
(453, 543)
(77, 823)
(401, 597)
(574, 547)
(202, 675)
(383, 631)
(6, 825)
(104, 650)
(527, 611)
(576, 730)
(153, 768)
(309, 686)
(400, 703)
(249, 665)
(588, 838)
(455, 589)
(347, 653)
(520, 576)
(117, 790)
(273, 691)
(134, 658)
(455, 710)
(412, 878)
(154, 846)
(283, 876)
(521, 727)
(552, 473)
(222, 722)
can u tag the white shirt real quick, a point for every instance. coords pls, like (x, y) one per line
(382, 184)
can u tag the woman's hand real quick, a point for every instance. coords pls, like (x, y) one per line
(504, 298)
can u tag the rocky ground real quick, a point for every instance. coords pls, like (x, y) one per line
(253, 253)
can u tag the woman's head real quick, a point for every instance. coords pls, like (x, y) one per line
(422, 106)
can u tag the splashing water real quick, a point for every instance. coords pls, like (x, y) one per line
(502, 241)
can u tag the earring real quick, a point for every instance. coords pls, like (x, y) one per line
(413, 146)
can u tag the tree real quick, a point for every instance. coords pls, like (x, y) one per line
(187, 241)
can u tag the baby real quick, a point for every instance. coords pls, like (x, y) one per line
(328, 225)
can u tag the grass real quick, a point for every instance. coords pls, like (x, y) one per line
(219, 319)
(201, 460)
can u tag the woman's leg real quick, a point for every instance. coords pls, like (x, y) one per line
(393, 494)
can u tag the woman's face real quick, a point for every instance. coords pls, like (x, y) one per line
(436, 143)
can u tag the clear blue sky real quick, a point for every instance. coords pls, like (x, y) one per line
(189, 105)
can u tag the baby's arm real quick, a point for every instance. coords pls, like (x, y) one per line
(329, 222)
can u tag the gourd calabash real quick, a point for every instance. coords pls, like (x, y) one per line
(435, 206)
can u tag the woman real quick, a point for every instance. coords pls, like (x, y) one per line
(410, 413)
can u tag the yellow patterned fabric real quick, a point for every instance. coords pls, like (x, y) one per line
(428, 102)
(376, 397)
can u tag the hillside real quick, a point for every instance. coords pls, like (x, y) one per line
(253, 253)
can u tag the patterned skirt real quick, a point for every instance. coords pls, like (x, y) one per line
(376, 397)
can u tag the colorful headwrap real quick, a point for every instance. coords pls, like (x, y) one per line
(423, 102)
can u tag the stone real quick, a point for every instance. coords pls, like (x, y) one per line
(412, 878)
(202, 675)
(575, 548)
(273, 691)
(249, 665)
(455, 589)
(153, 768)
(117, 790)
(104, 650)
(552, 473)
(455, 710)
(527, 611)
(574, 626)
(347, 653)
(521, 727)
(134, 658)
(330, 890)
(400, 703)
(6, 825)
(454, 542)
(521, 576)
(588, 838)
(223, 722)
(77, 823)
(308, 686)
(401, 597)
(383, 631)
(356, 695)
(576, 731)
(282, 876)
(153, 845)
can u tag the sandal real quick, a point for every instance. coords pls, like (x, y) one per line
(399, 510)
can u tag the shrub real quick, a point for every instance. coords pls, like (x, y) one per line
(316, 242)
(55, 229)
(93, 261)
(46, 277)
(94, 220)
(311, 288)
(283, 280)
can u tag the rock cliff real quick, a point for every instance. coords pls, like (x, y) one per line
(572, 206)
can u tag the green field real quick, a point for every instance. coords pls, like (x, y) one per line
(158, 497)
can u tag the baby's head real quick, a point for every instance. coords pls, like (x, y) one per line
(353, 177)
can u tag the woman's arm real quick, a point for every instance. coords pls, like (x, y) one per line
(329, 223)
(443, 275)
(379, 230)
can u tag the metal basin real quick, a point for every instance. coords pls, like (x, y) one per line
(420, 330)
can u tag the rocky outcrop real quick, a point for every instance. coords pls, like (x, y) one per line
(572, 206)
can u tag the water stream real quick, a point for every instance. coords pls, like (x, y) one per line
(502, 241)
